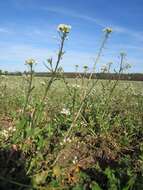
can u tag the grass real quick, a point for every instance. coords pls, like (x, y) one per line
(60, 134)
(99, 146)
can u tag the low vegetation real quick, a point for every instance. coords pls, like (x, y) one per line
(79, 134)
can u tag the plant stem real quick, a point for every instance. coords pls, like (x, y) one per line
(29, 89)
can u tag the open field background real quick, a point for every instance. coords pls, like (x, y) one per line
(14, 89)
(103, 149)
(106, 76)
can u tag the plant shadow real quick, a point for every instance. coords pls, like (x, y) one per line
(12, 170)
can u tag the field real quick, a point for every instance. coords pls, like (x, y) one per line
(53, 145)
(58, 133)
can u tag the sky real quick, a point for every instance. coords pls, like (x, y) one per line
(28, 29)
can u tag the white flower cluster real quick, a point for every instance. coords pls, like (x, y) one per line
(75, 86)
(30, 61)
(75, 160)
(65, 111)
(64, 28)
(66, 140)
(108, 30)
(6, 133)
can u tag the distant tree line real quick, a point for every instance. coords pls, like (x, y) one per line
(106, 76)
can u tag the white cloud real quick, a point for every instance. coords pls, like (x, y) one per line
(19, 53)
(74, 14)
(4, 30)
(12, 58)
(102, 23)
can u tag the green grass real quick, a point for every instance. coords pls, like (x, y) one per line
(104, 149)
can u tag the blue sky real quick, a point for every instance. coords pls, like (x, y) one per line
(28, 29)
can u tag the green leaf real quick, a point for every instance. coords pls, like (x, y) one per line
(95, 186)
(130, 184)
(78, 187)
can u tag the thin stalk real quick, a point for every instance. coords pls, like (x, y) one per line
(115, 84)
(39, 110)
(14, 182)
(86, 92)
(29, 89)
(56, 67)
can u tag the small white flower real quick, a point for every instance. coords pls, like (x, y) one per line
(69, 140)
(75, 86)
(43, 83)
(83, 123)
(64, 28)
(108, 30)
(65, 140)
(10, 128)
(75, 160)
(78, 146)
(14, 129)
(65, 111)
(5, 133)
(30, 61)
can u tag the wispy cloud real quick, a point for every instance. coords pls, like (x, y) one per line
(4, 30)
(15, 56)
(20, 52)
(74, 14)
(136, 34)
(100, 22)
